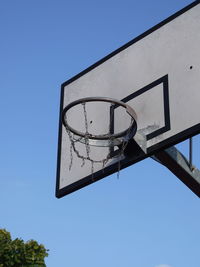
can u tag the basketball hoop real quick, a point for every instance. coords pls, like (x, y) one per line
(109, 139)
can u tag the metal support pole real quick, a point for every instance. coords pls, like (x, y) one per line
(180, 166)
(190, 153)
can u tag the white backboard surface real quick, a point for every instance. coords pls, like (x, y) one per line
(158, 74)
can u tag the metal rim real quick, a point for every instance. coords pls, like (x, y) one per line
(126, 134)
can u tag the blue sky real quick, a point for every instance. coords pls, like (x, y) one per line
(147, 217)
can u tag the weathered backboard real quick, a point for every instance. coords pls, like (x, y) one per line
(158, 74)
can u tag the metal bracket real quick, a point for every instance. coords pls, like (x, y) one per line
(177, 163)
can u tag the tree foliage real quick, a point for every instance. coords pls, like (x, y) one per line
(18, 253)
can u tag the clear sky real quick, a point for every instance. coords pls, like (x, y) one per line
(147, 217)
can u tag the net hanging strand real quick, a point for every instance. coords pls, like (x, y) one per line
(123, 147)
(87, 147)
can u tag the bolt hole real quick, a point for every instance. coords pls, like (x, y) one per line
(90, 122)
(191, 67)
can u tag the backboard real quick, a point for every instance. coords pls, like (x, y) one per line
(158, 75)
